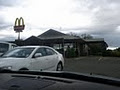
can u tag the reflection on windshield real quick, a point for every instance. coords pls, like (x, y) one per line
(19, 53)
(85, 32)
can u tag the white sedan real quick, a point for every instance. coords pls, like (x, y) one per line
(32, 58)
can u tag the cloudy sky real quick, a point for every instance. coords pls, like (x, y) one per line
(100, 18)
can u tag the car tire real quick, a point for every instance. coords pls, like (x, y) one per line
(59, 67)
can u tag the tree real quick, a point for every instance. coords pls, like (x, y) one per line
(118, 49)
(73, 34)
(86, 36)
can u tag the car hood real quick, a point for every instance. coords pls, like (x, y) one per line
(7, 61)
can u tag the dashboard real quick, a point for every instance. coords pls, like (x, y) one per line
(18, 81)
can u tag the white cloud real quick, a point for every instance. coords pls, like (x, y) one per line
(48, 14)
(97, 17)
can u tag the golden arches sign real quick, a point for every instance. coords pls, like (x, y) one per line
(18, 21)
(19, 24)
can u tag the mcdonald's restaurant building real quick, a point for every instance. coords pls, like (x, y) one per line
(59, 41)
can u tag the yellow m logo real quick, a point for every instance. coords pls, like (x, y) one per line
(19, 22)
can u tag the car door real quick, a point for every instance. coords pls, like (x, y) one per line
(51, 59)
(39, 63)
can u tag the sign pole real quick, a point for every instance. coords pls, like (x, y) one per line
(19, 36)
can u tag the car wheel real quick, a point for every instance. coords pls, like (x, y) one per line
(59, 67)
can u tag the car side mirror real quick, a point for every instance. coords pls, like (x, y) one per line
(37, 55)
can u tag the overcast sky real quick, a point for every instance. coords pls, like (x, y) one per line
(100, 18)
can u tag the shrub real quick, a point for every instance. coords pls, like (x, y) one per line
(111, 53)
(70, 53)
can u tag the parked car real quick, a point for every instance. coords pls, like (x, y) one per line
(5, 46)
(32, 58)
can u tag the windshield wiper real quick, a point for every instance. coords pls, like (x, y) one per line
(42, 77)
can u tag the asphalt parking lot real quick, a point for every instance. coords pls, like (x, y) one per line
(107, 66)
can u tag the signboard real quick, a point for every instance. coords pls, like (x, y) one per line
(19, 25)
